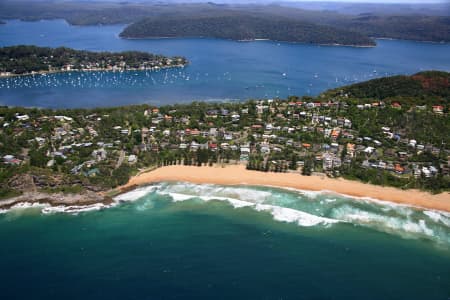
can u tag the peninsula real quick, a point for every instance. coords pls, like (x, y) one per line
(242, 26)
(390, 132)
(29, 60)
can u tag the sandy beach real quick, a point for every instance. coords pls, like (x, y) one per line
(238, 175)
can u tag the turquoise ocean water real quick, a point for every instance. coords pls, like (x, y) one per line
(188, 241)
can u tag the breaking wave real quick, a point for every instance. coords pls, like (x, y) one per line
(307, 208)
(303, 208)
(240, 197)
(49, 209)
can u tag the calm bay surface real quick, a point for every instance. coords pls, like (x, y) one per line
(218, 70)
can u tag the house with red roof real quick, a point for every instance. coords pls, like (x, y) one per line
(396, 105)
(438, 109)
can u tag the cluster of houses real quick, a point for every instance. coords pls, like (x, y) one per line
(265, 128)
(120, 66)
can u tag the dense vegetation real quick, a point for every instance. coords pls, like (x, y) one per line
(294, 25)
(25, 59)
(277, 22)
(244, 27)
(431, 85)
(418, 28)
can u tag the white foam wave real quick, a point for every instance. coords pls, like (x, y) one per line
(46, 208)
(208, 190)
(380, 215)
(391, 224)
(311, 194)
(393, 218)
(251, 193)
(279, 213)
(135, 194)
(405, 209)
(290, 215)
(438, 217)
(27, 205)
(303, 208)
(177, 197)
(386, 206)
(22, 207)
(75, 209)
(238, 203)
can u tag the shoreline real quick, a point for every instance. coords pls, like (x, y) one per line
(246, 40)
(239, 175)
(44, 73)
(406, 40)
(233, 175)
(84, 199)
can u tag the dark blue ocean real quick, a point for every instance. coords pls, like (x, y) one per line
(218, 70)
(187, 241)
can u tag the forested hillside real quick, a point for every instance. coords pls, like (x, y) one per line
(418, 28)
(433, 85)
(238, 26)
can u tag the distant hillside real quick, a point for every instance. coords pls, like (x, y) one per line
(420, 85)
(382, 8)
(241, 21)
(238, 26)
(418, 28)
(399, 26)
